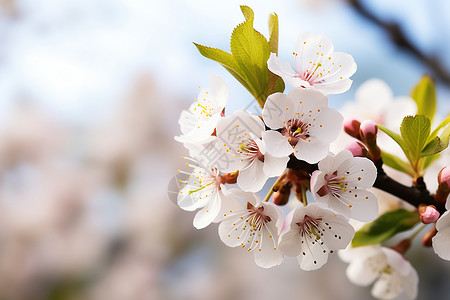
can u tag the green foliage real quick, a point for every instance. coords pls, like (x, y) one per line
(424, 93)
(250, 51)
(415, 131)
(385, 227)
(420, 145)
(396, 163)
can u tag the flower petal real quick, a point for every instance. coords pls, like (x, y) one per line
(209, 213)
(274, 166)
(252, 178)
(441, 242)
(276, 144)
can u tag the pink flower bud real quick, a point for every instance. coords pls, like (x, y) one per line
(428, 214)
(444, 185)
(351, 127)
(357, 149)
(444, 176)
(368, 129)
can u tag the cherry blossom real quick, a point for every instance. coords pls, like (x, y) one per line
(197, 124)
(392, 273)
(341, 183)
(441, 241)
(255, 226)
(307, 124)
(205, 189)
(239, 138)
(312, 232)
(316, 66)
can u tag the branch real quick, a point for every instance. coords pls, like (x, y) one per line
(400, 39)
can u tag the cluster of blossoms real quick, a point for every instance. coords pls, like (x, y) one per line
(233, 156)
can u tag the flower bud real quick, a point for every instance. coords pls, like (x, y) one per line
(368, 130)
(428, 214)
(281, 197)
(351, 127)
(444, 185)
(357, 149)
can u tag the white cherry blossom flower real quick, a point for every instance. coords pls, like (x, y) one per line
(205, 189)
(441, 241)
(312, 232)
(239, 138)
(316, 66)
(256, 227)
(307, 124)
(198, 123)
(392, 273)
(341, 183)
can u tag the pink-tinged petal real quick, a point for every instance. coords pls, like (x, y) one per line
(275, 109)
(219, 90)
(360, 171)
(290, 244)
(444, 221)
(441, 243)
(388, 286)
(313, 255)
(338, 233)
(363, 205)
(330, 163)
(311, 150)
(274, 166)
(327, 124)
(279, 67)
(276, 144)
(229, 204)
(308, 99)
(411, 283)
(267, 253)
(310, 49)
(316, 183)
(230, 229)
(209, 213)
(252, 178)
(362, 272)
(396, 261)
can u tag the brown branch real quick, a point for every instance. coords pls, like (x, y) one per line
(399, 38)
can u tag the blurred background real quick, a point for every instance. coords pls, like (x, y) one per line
(90, 95)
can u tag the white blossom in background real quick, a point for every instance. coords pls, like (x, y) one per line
(198, 123)
(391, 272)
(239, 142)
(316, 66)
(255, 226)
(441, 241)
(204, 189)
(341, 183)
(307, 124)
(313, 232)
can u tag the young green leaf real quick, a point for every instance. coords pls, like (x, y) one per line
(396, 163)
(385, 227)
(424, 93)
(395, 136)
(415, 131)
(273, 33)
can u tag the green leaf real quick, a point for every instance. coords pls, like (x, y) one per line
(251, 51)
(248, 13)
(433, 147)
(395, 136)
(273, 33)
(227, 61)
(439, 127)
(396, 163)
(415, 131)
(424, 93)
(385, 227)
(427, 161)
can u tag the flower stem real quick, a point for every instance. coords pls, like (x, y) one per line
(282, 176)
